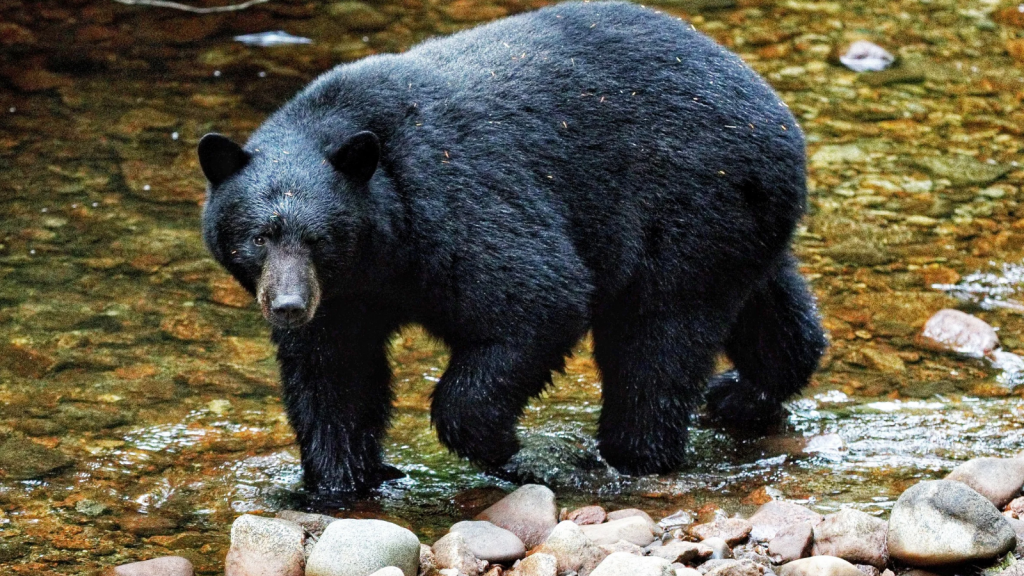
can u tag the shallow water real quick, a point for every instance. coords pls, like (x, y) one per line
(138, 392)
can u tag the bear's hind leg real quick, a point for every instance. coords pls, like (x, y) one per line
(774, 344)
(654, 364)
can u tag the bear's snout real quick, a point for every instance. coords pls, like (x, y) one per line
(288, 291)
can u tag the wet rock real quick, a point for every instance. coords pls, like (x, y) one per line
(854, 536)
(679, 551)
(473, 11)
(864, 56)
(30, 77)
(358, 16)
(631, 529)
(732, 530)
(676, 520)
(23, 459)
(587, 515)
(536, 565)
(792, 542)
(90, 419)
(25, 361)
(562, 460)
(838, 154)
(624, 564)
(638, 513)
(860, 252)
(146, 524)
(11, 550)
(572, 549)
(819, 566)
(12, 35)
(732, 568)
(314, 524)
(961, 170)
(139, 120)
(262, 546)
(165, 566)
(941, 522)
(453, 552)
(775, 515)
(39, 427)
(90, 508)
(489, 542)
(358, 547)
(953, 330)
(998, 479)
(720, 549)
(529, 513)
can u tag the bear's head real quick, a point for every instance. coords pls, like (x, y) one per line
(279, 206)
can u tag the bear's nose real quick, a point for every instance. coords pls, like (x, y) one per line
(289, 307)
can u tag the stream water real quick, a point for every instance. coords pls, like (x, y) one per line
(139, 406)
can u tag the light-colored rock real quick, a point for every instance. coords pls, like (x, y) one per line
(941, 522)
(315, 524)
(625, 564)
(854, 536)
(630, 512)
(587, 515)
(732, 530)
(165, 566)
(350, 547)
(998, 479)
(679, 551)
(777, 514)
(265, 547)
(955, 331)
(720, 549)
(489, 542)
(819, 566)
(572, 549)
(623, 546)
(428, 564)
(792, 542)
(685, 570)
(536, 565)
(677, 519)
(733, 568)
(389, 571)
(1018, 529)
(631, 529)
(529, 513)
(453, 552)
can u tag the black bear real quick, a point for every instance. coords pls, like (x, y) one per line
(594, 166)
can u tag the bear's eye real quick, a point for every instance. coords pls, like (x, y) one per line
(259, 240)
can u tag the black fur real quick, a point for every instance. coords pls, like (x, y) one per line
(593, 165)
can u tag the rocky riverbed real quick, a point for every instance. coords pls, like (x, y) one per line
(966, 523)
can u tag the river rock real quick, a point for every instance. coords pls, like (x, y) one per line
(732, 568)
(529, 513)
(998, 479)
(792, 542)
(942, 522)
(428, 564)
(1018, 529)
(389, 571)
(23, 459)
(536, 565)
(623, 546)
(631, 512)
(587, 515)
(854, 536)
(624, 564)
(685, 570)
(679, 551)
(777, 514)
(961, 170)
(165, 566)
(732, 530)
(453, 552)
(819, 566)
(265, 547)
(955, 331)
(572, 549)
(631, 529)
(720, 549)
(351, 547)
(489, 542)
(315, 524)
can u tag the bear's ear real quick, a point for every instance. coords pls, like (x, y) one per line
(220, 158)
(357, 158)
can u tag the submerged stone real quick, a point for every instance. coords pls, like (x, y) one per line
(23, 459)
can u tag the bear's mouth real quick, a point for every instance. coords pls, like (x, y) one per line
(288, 290)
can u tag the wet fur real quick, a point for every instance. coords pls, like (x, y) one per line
(586, 166)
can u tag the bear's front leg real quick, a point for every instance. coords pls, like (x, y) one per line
(337, 392)
(482, 395)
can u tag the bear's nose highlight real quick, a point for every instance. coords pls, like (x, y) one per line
(290, 307)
